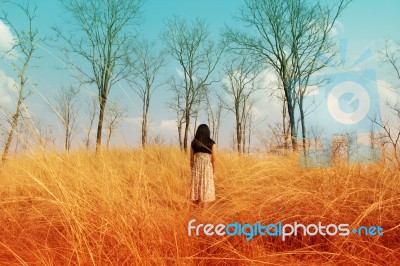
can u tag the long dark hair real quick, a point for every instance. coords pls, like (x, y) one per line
(202, 139)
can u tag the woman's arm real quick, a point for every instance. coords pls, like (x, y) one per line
(191, 158)
(213, 156)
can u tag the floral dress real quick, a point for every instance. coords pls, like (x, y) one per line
(202, 178)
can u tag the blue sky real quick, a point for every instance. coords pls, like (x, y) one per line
(364, 24)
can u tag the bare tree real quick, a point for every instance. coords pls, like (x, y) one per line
(248, 122)
(198, 56)
(289, 36)
(390, 130)
(390, 134)
(264, 140)
(176, 105)
(214, 111)
(103, 40)
(25, 45)
(113, 119)
(315, 137)
(340, 148)
(283, 130)
(65, 108)
(250, 127)
(147, 65)
(158, 140)
(311, 39)
(285, 121)
(91, 112)
(391, 56)
(234, 141)
(196, 114)
(43, 134)
(273, 140)
(22, 131)
(241, 74)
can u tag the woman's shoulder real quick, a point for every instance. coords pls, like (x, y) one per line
(211, 144)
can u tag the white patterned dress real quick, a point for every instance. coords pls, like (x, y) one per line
(202, 178)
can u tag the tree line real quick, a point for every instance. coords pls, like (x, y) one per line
(104, 48)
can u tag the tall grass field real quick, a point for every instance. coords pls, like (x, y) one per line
(132, 207)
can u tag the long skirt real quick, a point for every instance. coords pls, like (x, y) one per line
(202, 178)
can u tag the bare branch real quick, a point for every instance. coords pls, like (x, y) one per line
(198, 56)
(103, 40)
(289, 36)
(26, 42)
(113, 119)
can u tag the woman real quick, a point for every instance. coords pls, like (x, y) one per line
(202, 163)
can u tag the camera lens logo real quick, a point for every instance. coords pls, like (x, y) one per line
(348, 103)
(342, 109)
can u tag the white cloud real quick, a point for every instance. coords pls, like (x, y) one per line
(268, 107)
(6, 89)
(387, 94)
(269, 80)
(167, 129)
(168, 126)
(165, 126)
(338, 26)
(179, 73)
(258, 113)
(134, 121)
(7, 38)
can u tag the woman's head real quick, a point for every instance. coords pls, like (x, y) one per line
(202, 133)
(202, 141)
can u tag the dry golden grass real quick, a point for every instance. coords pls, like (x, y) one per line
(126, 207)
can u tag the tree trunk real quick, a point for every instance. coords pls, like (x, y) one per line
(14, 124)
(67, 138)
(244, 139)
(144, 123)
(109, 137)
(103, 101)
(293, 132)
(303, 126)
(248, 143)
(16, 146)
(10, 136)
(144, 130)
(238, 136)
(88, 136)
(195, 125)
(218, 125)
(146, 104)
(284, 129)
(185, 137)
(396, 156)
(92, 117)
(180, 134)
(249, 131)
